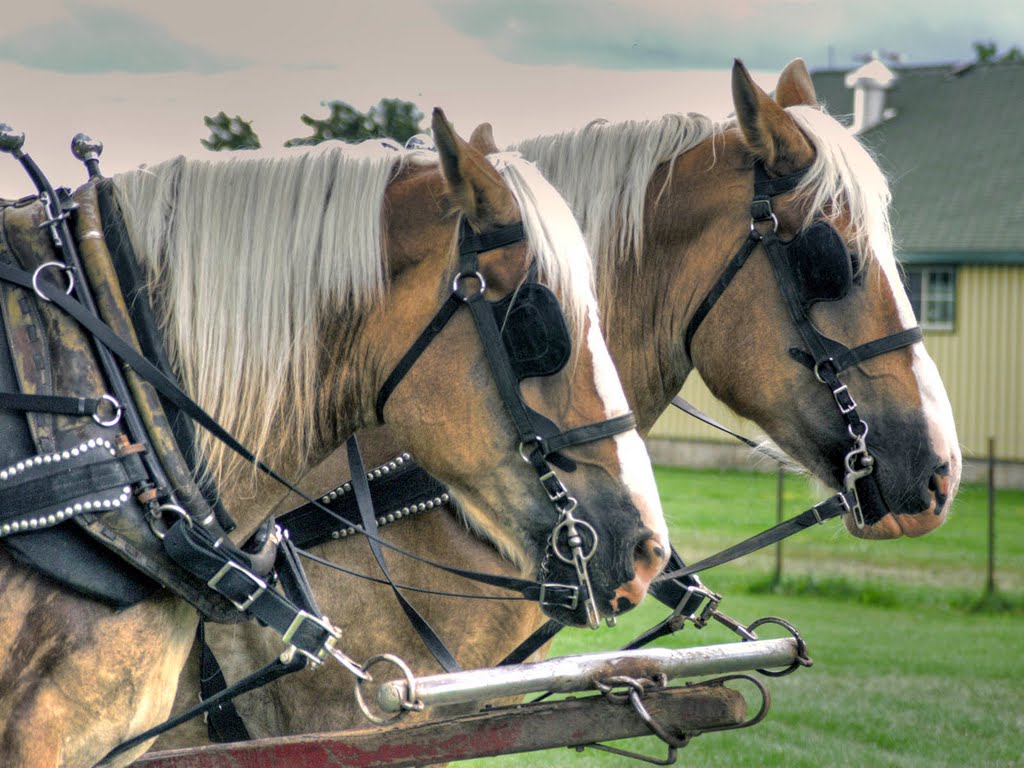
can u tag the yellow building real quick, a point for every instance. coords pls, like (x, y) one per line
(952, 144)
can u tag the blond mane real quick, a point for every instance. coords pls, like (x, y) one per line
(604, 171)
(244, 252)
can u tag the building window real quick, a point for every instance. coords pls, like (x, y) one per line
(932, 292)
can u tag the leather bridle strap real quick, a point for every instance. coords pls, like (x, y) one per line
(361, 488)
(836, 506)
(866, 351)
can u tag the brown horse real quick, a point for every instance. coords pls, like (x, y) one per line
(288, 289)
(665, 205)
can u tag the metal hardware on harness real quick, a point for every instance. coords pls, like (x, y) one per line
(570, 603)
(50, 265)
(261, 587)
(409, 703)
(157, 515)
(457, 284)
(699, 615)
(577, 557)
(88, 150)
(858, 454)
(113, 420)
(329, 648)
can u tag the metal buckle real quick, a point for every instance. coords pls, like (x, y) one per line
(572, 590)
(559, 490)
(844, 409)
(706, 611)
(301, 618)
(261, 585)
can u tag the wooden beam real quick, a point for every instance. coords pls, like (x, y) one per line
(494, 731)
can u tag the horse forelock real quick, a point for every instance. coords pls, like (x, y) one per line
(844, 178)
(243, 254)
(603, 171)
(556, 243)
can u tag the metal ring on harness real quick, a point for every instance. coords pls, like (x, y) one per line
(118, 410)
(457, 283)
(801, 660)
(409, 705)
(59, 265)
(775, 223)
(155, 517)
(575, 540)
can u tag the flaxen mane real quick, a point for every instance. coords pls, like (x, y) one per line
(243, 252)
(604, 169)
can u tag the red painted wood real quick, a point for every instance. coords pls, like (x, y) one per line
(505, 730)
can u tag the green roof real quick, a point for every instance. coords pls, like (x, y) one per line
(954, 155)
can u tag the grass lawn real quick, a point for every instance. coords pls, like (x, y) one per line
(908, 671)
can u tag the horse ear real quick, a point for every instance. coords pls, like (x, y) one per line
(769, 131)
(795, 86)
(482, 139)
(474, 187)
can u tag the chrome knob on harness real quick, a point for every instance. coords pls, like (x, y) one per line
(11, 141)
(88, 150)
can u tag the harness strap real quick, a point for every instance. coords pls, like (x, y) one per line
(194, 549)
(40, 498)
(275, 669)
(437, 324)
(71, 406)
(223, 723)
(731, 270)
(364, 501)
(684, 595)
(852, 357)
(589, 433)
(398, 488)
(472, 243)
(687, 407)
(835, 506)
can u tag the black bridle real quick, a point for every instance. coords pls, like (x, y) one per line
(814, 266)
(513, 356)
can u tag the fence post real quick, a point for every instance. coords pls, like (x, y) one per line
(779, 483)
(990, 580)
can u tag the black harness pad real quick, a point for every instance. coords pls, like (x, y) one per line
(534, 331)
(820, 264)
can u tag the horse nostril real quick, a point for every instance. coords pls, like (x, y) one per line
(938, 484)
(647, 550)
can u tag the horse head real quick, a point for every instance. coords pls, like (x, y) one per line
(822, 327)
(467, 432)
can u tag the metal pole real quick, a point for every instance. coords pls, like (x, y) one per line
(990, 581)
(578, 673)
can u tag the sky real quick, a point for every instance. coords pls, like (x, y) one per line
(139, 76)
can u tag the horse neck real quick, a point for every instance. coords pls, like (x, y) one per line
(643, 321)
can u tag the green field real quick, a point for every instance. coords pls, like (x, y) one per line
(909, 669)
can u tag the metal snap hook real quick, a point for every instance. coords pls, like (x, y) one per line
(49, 265)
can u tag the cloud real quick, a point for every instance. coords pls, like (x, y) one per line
(97, 40)
(684, 34)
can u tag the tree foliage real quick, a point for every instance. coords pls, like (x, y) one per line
(988, 53)
(389, 118)
(229, 133)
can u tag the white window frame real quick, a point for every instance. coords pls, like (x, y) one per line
(929, 297)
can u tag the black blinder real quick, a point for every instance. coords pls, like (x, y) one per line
(820, 264)
(533, 330)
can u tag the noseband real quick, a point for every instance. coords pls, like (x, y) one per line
(814, 266)
(533, 342)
